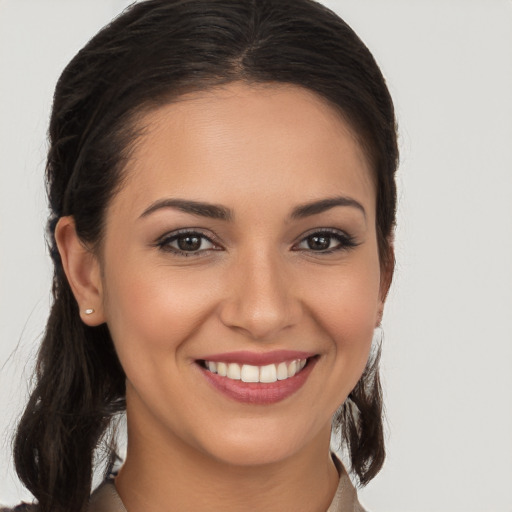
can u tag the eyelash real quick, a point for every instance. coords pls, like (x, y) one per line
(345, 242)
(164, 243)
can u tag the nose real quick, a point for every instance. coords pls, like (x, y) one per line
(261, 297)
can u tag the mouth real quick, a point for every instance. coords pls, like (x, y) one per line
(257, 383)
(250, 373)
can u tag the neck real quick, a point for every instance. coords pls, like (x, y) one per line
(162, 474)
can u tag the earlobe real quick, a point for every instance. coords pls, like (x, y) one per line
(82, 270)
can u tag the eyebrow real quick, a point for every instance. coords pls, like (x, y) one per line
(219, 212)
(323, 205)
(212, 211)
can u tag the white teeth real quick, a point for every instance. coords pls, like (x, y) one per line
(268, 373)
(250, 373)
(282, 371)
(233, 371)
(292, 368)
(222, 369)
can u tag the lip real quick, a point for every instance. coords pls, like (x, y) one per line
(259, 393)
(258, 358)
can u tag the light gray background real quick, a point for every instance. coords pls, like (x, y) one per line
(448, 343)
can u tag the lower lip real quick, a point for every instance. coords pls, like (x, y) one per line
(259, 393)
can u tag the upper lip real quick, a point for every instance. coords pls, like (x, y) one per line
(257, 358)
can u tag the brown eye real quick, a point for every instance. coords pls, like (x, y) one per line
(189, 243)
(326, 242)
(319, 242)
(186, 243)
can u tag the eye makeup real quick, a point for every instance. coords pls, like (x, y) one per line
(194, 242)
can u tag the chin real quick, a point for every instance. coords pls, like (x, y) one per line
(262, 444)
(255, 454)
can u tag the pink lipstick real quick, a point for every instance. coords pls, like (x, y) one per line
(258, 378)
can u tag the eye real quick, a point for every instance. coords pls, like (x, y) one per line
(326, 241)
(186, 243)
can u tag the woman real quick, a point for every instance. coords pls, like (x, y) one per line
(221, 186)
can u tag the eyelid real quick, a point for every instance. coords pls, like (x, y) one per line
(346, 241)
(163, 241)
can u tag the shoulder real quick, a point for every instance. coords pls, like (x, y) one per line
(345, 499)
(106, 499)
(23, 507)
(103, 499)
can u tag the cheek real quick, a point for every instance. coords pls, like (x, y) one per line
(348, 301)
(347, 309)
(150, 314)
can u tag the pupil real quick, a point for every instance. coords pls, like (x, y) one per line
(189, 243)
(319, 242)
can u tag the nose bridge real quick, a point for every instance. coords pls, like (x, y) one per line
(261, 300)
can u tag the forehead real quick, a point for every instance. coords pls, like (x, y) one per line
(239, 138)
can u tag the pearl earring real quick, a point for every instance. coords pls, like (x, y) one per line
(89, 311)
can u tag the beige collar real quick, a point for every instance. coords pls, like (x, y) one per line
(106, 499)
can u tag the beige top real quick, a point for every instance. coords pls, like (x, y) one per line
(106, 499)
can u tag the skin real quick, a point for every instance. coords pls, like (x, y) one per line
(260, 151)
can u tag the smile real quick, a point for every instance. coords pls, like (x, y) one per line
(250, 373)
(258, 378)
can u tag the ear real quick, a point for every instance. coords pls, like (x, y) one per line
(82, 270)
(386, 276)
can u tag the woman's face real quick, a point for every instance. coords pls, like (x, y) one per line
(242, 245)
